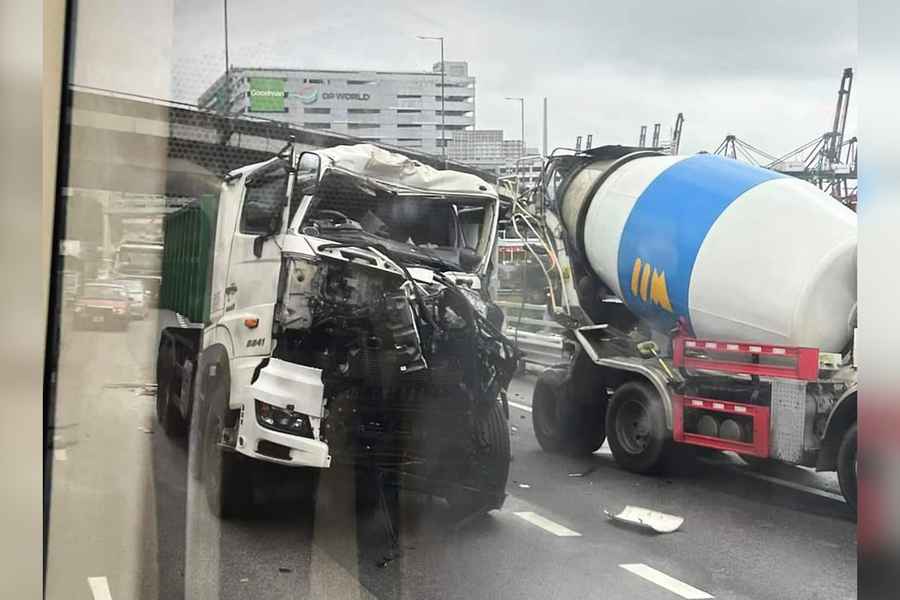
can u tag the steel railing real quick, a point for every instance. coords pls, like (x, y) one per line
(536, 336)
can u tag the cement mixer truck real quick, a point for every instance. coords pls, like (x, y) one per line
(707, 304)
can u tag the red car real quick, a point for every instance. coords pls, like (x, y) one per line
(102, 305)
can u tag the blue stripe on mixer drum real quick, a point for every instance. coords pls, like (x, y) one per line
(667, 226)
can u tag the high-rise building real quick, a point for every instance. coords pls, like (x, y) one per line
(391, 107)
(487, 150)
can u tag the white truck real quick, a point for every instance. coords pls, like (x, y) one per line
(140, 261)
(334, 310)
(707, 304)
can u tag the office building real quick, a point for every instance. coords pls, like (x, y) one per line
(391, 107)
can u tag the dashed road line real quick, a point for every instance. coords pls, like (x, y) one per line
(664, 581)
(99, 588)
(60, 454)
(524, 407)
(794, 486)
(546, 524)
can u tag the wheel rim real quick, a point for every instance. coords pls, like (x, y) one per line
(633, 426)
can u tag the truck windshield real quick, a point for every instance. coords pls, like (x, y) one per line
(344, 204)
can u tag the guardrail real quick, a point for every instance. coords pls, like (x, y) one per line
(538, 338)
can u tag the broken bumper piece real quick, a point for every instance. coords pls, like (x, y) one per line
(284, 388)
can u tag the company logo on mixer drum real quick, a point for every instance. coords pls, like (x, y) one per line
(649, 285)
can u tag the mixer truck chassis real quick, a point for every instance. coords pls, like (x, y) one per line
(706, 304)
(764, 402)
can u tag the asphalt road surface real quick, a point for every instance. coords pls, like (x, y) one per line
(128, 522)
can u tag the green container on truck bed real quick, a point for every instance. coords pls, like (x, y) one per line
(189, 239)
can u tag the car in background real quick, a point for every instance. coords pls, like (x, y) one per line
(102, 304)
(139, 298)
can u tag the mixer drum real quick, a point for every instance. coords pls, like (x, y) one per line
(736, 252)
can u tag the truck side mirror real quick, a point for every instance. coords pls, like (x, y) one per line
(308, 171)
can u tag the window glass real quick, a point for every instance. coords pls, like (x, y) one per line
(264, 201)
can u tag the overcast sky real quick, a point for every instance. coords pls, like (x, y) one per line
(766, 71)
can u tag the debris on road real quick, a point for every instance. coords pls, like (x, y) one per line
(514, 429)
(146, 429)
(584, 473)
(131, 386)
(245, 579)
(524, 486)
(285, 570)
(646, 518)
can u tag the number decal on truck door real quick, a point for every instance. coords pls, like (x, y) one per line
(256, 342)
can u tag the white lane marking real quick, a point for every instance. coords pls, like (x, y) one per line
(519, 406)
(794, 486)
(546, 524)
(99, 588)
(664, 581)
(61, 454)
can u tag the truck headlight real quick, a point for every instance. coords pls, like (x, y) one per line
(280, 419)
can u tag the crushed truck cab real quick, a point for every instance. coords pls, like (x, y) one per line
(335, 309)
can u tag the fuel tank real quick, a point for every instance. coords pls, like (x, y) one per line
(734, 252)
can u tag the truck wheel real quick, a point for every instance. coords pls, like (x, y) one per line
(226, 475)
(846, 466)
(489, 469)
(167, 413)
(195, 439)
(562, 425)
(636, 428)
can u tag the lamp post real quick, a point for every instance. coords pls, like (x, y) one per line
(521, 102)
(227, 103)
(440, 38)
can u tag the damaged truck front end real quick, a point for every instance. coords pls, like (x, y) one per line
(388, 355)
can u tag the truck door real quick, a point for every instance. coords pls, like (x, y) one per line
(251, 284)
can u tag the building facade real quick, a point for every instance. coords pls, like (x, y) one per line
(390, 107)
(487, 150)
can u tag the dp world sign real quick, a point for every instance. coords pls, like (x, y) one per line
(266, 95)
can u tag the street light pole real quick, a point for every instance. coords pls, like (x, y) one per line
(522, 113)
(440, 38)
(227, 104)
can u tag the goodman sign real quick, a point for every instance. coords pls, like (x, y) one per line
(308, 94)
(266, 94)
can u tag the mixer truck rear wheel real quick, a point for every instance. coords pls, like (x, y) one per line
(636, 428)
(562, 424)
(846, 466)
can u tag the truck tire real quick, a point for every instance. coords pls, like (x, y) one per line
(846, 466)
(226, 474)
(489, 469)
(195, 437)
(636, 428)
(167, 413)
(561, 424)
